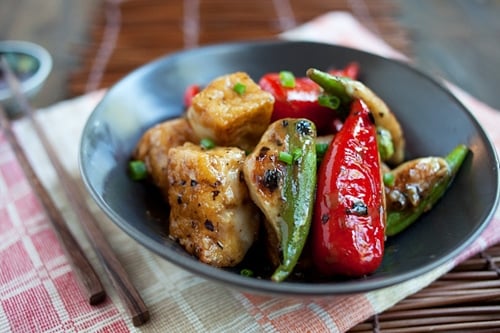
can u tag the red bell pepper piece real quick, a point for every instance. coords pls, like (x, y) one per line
(301, 101)
(189, 93)
(350, 71)
(349, 222)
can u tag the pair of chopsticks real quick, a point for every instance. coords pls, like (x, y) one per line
(88, 280)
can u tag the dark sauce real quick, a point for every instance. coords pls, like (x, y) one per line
(157, 209)
(22, 65)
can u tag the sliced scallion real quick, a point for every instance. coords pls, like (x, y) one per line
(296, 154)
(246, 272)
(329, 101)
(287, 79)
(285, 157)
(385, 143)
(137, 170)
(389, 179)
(239, 88)
(207, 143)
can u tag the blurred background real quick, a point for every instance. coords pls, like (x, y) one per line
(96, 42)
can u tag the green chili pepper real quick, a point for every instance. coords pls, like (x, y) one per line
(298, 193)
(397, 221)
(347, 90)
(331, 84)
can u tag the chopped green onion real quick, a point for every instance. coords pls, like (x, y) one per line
(285, 157)
(385, 143)
(137, 170)
(239, 88)
(246, 272)
(389, 179)
(207, 143)
(329, 101)
(287, 79)
(296, 154)
(289, 158)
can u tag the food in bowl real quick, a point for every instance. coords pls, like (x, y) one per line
(327, 189)
(154, 93)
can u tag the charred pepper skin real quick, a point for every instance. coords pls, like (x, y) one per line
(298, 194)
(348, 230)
(397, 221)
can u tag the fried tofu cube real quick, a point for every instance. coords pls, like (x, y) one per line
(228, 117)
(154, 145)
(211, 213)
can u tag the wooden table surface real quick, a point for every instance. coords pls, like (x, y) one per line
(456, 39)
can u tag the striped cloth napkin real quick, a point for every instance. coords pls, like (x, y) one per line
(39, 292)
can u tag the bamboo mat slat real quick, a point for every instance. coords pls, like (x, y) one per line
(149, 29)
(467, 299)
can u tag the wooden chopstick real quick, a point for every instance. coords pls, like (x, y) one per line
(116, 273)
(88, 280)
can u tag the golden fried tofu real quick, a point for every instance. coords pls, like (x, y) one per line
(153, 148)
(211, 213)
(228, 117)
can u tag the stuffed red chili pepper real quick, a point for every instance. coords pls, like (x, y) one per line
(349, 222)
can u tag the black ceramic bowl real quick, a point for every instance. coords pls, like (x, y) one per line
(433, 120)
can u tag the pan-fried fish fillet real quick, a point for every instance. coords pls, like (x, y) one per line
(264, 175)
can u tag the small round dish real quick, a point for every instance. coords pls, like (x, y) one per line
(434, 122)
(31, 64)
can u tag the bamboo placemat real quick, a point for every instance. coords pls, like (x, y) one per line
(138, 31)
(467, 299)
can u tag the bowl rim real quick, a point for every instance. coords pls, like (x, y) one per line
(287, 288)
(34, 50)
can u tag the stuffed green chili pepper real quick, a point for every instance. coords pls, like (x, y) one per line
(346, 90)
(415, 186)
(281, 177)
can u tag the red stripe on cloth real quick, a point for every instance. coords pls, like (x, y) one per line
(30, 309)
(489, 237)
(28, 208)
(38, 290)
(327, 314)
(15, 261)
(11, 172)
